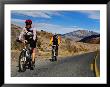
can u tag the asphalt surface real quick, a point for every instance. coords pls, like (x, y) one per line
(98, 62)
(77, 66)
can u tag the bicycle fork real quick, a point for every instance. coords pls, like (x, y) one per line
(24, 56)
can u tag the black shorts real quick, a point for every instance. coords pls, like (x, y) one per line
(32, 43)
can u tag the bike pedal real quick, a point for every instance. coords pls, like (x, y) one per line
(19, 70)
(52, 60)
(31, 68)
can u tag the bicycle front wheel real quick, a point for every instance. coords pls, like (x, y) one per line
(22, 61)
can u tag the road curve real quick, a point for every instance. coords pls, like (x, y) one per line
(77, 66)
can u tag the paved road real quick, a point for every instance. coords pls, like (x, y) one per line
(77, 66)
(97, 65)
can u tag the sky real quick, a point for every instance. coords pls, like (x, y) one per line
(60, 22)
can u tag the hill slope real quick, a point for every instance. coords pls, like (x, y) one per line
(68, 47)
(94, 39)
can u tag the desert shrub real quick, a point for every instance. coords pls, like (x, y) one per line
(42, 33)
(41, 49)
(82, 48)
(48, 35)
(68, 45)
(67, 41)
(75, 49)
(38, 33)
(16, 46)
(39, 43)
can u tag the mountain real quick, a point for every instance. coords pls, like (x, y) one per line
(94, 39)
(79, 34)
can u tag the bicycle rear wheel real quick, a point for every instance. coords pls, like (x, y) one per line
(22, 61)
(53, 54)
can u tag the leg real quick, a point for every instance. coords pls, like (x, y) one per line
(52, 53)
(56, 51)
(33, 46)
(53, 57)
(33, 55)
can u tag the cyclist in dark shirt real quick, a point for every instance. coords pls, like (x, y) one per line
(55, 40)
(28, 34)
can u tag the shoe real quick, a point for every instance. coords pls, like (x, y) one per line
(51, 60)
(33, 63)
(31, 68)
(55, 59)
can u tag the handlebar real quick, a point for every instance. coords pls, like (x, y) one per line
(18, 40)
(24, 41)
(53, 45)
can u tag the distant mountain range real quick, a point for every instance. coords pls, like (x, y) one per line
(79, 34)
(94, 39)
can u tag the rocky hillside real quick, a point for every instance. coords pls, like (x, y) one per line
(15, 31)
(68, 47)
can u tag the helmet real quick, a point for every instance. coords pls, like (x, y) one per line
(55, 33)
(28, 22)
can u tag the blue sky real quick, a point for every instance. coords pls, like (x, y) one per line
(59, 21)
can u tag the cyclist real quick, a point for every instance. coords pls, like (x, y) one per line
(28, 34)
(55, 40)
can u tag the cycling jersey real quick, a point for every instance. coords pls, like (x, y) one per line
(26, 31)
(55, 40)
(29, 35)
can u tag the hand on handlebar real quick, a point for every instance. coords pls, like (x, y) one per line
(18, 40)
(50, 45)
(25, 41)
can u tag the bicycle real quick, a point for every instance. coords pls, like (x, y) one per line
(25, 59)
(54, 56)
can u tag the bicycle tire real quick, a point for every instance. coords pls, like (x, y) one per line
(22, 68)
(53, 54)
(30, 60)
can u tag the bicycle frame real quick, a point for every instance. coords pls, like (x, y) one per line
(25, 58)
(54, 49)
(26, 46)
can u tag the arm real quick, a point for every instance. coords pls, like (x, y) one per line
(34, 34)
(21, 34)
(59, 40)
(51, 39)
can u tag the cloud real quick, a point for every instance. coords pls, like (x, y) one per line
(17, 20)
(51, 27)
(35, 13)
(44, 26)
(91, 14)
(57, 28)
